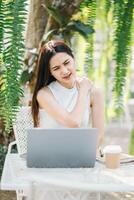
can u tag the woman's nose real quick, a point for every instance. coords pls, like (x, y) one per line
(64, 70)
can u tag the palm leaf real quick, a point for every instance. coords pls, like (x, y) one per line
(80, 27)
(48, 34)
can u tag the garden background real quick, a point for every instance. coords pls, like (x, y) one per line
(101, 36)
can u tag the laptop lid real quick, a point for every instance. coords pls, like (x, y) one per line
(61, 148)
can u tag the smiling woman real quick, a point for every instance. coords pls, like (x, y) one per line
(60, 98)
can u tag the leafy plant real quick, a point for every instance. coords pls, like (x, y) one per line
(117, 18)
(89, 6)
(66, 26)
(12, 28)
(123, 19)
(2, 7)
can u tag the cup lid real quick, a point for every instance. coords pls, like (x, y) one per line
(112, 149)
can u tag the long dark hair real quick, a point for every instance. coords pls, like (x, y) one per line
(44, 77)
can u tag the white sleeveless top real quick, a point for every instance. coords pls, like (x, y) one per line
(67, 98)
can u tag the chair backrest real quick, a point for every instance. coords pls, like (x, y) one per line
(23, 121)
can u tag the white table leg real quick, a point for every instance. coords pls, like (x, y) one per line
(24, 193)
(98, 196)
(20, 194)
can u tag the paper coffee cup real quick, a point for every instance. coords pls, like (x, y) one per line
(112, 156)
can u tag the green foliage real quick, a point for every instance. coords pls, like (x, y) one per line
(25, 76)
(123, 18)
(2, 7)
(83, 29)
(90, 7)
(12, 54)
(112, 17)
(108, 4)
(67, 26)
(131, 145)
(49, 34)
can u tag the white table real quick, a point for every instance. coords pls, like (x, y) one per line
(16, 176)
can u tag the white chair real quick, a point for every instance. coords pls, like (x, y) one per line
(23, 121)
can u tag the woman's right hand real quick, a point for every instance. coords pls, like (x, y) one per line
(84, 84)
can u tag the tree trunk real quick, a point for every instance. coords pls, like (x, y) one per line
(38, 18)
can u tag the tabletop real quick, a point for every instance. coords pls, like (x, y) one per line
(16, 174)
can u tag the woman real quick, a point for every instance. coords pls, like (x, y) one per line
(60, 98)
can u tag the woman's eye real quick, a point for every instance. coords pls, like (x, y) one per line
(66, 63)
(55, 69)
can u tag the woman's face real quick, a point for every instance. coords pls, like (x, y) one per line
(62, 67)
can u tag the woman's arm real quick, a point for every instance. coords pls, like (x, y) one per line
(70, 119)
(97, 110)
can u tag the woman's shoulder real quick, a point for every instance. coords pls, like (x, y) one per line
(97, 93)
(43, 92)
(96, 90)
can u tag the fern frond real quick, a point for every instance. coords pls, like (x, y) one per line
(123, 18)
(13, 49)
(90, 6)
(2, 9)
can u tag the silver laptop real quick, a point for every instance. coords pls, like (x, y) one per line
(61, 148)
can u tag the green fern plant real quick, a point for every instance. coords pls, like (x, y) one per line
(122, 11)
(13, 48)
(2, 7)
(123, 18)
(90, 7)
